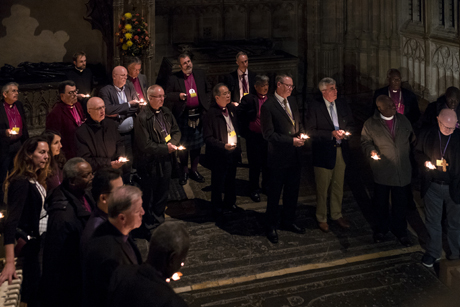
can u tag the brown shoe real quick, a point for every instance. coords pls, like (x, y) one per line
(343, 223)
(323, 226)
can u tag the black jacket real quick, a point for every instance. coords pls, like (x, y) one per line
(151, 147)
(62, 275)
(141, 286)
(278, 130)
(319, 127)
(247, 112)
(99, 143)
(176, 85)
(113, 109)
(411, 108)
(4, 125)
(432, 111)
(425, 151)
(233, 84)
(106, 251)
(215, 136)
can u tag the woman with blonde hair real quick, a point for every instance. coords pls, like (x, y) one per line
(25, 192)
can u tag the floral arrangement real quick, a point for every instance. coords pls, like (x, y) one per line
(133, 37)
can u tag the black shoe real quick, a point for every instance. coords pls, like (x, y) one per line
(293, 228)
(194, 175)
(255, 196)
(272, 235)
(378, 237)
(183, 179)
(428, 260)
(405, 241)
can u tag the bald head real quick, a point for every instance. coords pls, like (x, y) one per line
(96, 109)
(119, 76)
(385, 106)
(447, 121)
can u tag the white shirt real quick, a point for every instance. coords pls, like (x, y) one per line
(328, 106)
(281, 101)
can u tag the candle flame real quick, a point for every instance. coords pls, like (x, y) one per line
(180, 147)
(431, 166)
(176, 276)
(233, 144)
(304, 136)
(347, 133)
(14, 132)
(87, 95)
(123, 159)
(2, 216)
(182, 264)
(375, 157)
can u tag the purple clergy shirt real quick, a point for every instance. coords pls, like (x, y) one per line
(137, 87)
(254, 126)
(14, 119)
(192, 102)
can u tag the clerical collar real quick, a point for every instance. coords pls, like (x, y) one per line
(386, 118)
(10, 105)
(261, 96)
(80, 70)
(397, 91)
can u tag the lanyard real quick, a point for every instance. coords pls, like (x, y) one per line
(440, 146)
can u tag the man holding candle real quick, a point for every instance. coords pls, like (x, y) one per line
(13, 128)
(241, 81)
(387, 139)
(329, 119)
(66, 116)
(437, 155)
(156, 137)
(98, 140)
(188, 98)
(136, 80)
(282, 128)
(405, 100)
(83, 78)
(223, 152)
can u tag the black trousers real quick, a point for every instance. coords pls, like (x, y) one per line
(257, 149)
(393, 218)
(289, 179)
(155, 189)
(223, 179)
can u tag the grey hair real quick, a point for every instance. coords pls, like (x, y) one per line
(325, 82)
(152, 88)
(122, 198)
(260, 80)
(279, 78)
(5, 88)
(70, 168)
(168, 238)
(133, 60)
(240, 53)
(216, 89)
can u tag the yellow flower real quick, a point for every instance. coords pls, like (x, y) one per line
(128, 27)
(129, 43)
(128, 15)
(128, 35)
(124, 47)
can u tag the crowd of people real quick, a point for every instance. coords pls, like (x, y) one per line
(70, 190)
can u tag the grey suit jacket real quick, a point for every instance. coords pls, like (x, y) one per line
(143, 82)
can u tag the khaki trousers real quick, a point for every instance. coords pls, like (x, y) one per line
(333, 179)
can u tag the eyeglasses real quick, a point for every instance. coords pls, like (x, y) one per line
(447, 128)
(159, 96)
(72, 93)
(289, 85)
(98, 109)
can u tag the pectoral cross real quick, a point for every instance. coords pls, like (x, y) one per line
(442, 163)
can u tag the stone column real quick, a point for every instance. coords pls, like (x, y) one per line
(118, 7)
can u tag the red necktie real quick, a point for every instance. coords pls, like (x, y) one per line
(245, 85)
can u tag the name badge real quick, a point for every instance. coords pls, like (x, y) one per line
(15, 129)
(192, 93)
(168, 138)
(244, 94)
(232, 133)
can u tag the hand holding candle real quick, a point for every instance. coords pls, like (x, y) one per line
(123, 159)
(375, 155)
(429, 165)
(181, 147)
(347, 133)
(230, 147)
(304, 136)
(12, 132)
(142, 102)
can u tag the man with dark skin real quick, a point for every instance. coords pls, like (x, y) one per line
(450, 100)
(405, 100)
(386, 139)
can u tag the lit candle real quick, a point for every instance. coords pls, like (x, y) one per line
(181, 147)
(13, 132)
(176, 276)
(123, 159)
(87, 95)
(142, 103)
(233, 144)
(304, 136)
(182, 264)
(430, 165)
(2, 216)
(347, 133)
(375, 157)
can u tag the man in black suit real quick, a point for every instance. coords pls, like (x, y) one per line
(329, 119)
(187, 96)
(136, 80)
(83, 78)
(256, 145)
(13, 129)
(405, 100)
(282, 128)
(147, 284)
(241, 81)
(220, 132)
(111, 244)
(121, 105)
